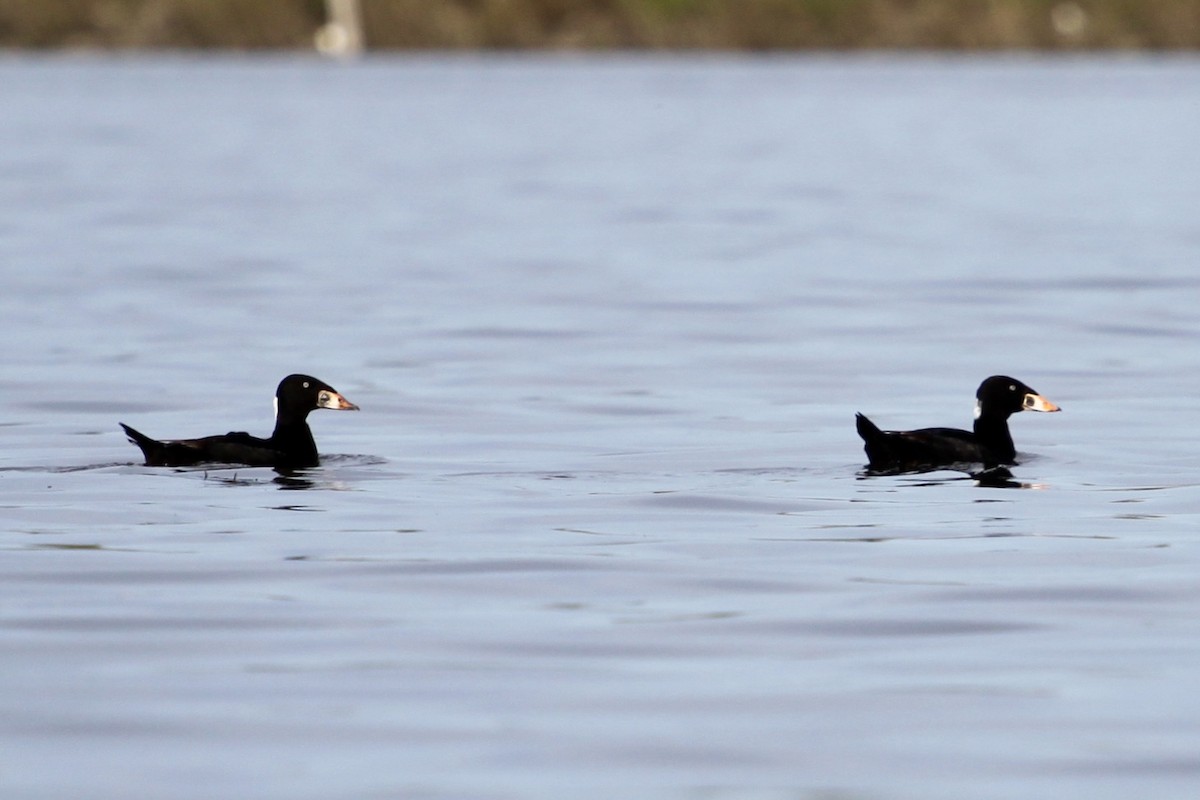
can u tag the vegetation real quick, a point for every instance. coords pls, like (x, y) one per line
(597, 24)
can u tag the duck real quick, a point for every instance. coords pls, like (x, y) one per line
(990, 443)
(290, 445)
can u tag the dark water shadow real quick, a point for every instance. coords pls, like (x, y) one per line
(991, 478)
(784, 472)
(68, 469)
(893, 627)
(927, 537)
(331, 474)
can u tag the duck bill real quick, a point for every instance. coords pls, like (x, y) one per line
(333, 400)
(1035, 402)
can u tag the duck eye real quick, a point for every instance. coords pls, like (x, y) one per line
(306, 385)
(1011, 387)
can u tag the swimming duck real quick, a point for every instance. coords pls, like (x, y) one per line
(290, 445)
(990, 444)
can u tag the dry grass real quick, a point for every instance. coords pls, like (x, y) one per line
(595, 24)
(239, 24)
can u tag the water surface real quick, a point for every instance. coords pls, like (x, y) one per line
(599, 528)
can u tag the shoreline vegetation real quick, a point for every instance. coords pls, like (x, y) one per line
(750, 25)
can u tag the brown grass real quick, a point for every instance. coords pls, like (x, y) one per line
(597, 24)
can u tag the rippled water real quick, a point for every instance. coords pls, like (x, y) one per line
(598, 530)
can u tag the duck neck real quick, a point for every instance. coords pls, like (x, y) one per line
(992, 433)
(293, 437)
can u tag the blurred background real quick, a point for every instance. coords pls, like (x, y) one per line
(347, 25)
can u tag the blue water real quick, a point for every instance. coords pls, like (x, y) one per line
(599, 529)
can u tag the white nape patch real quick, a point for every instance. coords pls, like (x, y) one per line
(978, 408)
(275, 405)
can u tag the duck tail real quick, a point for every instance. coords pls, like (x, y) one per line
(868, 430)
(150, 448)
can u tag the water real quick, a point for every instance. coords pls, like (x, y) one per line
(599, 529)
